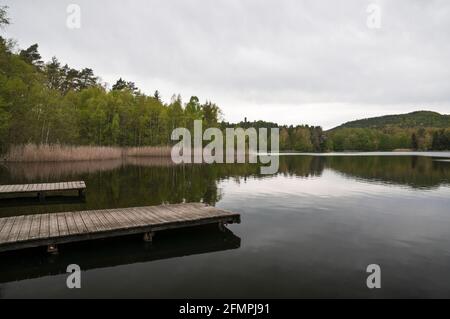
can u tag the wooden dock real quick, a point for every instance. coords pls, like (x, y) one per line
(42, 189)
(18, 232)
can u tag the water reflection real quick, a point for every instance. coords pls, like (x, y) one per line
(11, 202)
(62, 170)
(308, 231)
(415, 171)
(27, 264)
(152, 181)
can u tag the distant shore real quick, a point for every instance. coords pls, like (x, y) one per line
(64, 153)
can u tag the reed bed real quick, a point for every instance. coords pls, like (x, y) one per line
(148, 151)
(57, 153)
(61, 153)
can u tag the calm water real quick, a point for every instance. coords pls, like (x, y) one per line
(309, 231)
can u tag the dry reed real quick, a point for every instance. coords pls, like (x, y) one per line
(149, 151)
(58, 153)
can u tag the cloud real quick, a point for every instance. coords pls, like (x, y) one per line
(286, 61)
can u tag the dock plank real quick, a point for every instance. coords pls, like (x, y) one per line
(167, 215)
(188, 212)
(95, 221)
(62, 224)
(15, 229)
(71, 225)
(7, 228)
(54, 230)
(106, 225)
(44, 231)
(81, 226)
(35, 226)
(88, 222)
(146, 216)
(2, 223)
(25, 228)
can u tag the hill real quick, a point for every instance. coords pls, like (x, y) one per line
(410, 120)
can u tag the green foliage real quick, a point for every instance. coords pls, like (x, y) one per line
(389, 139)
(441, 140)
(4, 20)
(410, 120)
(49, 103)
(124, 85)
(31, 55)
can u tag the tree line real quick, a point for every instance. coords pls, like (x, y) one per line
(47, 102)
(50, 102)
(305, 138)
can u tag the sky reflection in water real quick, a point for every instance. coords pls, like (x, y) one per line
(309, 231)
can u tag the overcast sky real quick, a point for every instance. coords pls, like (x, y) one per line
(292, 62)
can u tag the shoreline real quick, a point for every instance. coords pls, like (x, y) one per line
(61, 154)
(29, 153)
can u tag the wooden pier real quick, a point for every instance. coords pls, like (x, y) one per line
(42, 189)
(18, 232)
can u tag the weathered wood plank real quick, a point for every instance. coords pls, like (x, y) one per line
(62, 224)
(104, 222)
(7, 228)
(35, 226)
(137, 217)
(54, 230)
(112, 223)
(2, 223)
(166, 215)
(25, 229)
(15, 229)
(81, 226)
(44, 231)
(95, 221)
(146, 216)
(88, 222)
(127, 221)
(167, 210)
(187, 213)
(71, 225)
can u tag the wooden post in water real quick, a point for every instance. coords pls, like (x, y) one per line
(52, 249)
(222, 226)
(148, 237)
(41, 196)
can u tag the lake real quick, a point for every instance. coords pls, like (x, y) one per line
(309, 231)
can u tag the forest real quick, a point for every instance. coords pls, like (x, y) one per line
(389, 137)
(48, 102)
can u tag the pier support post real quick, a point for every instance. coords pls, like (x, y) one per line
(41, 196)
(222, 227)
(81, 193)
(148, 237)
(52, 249)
